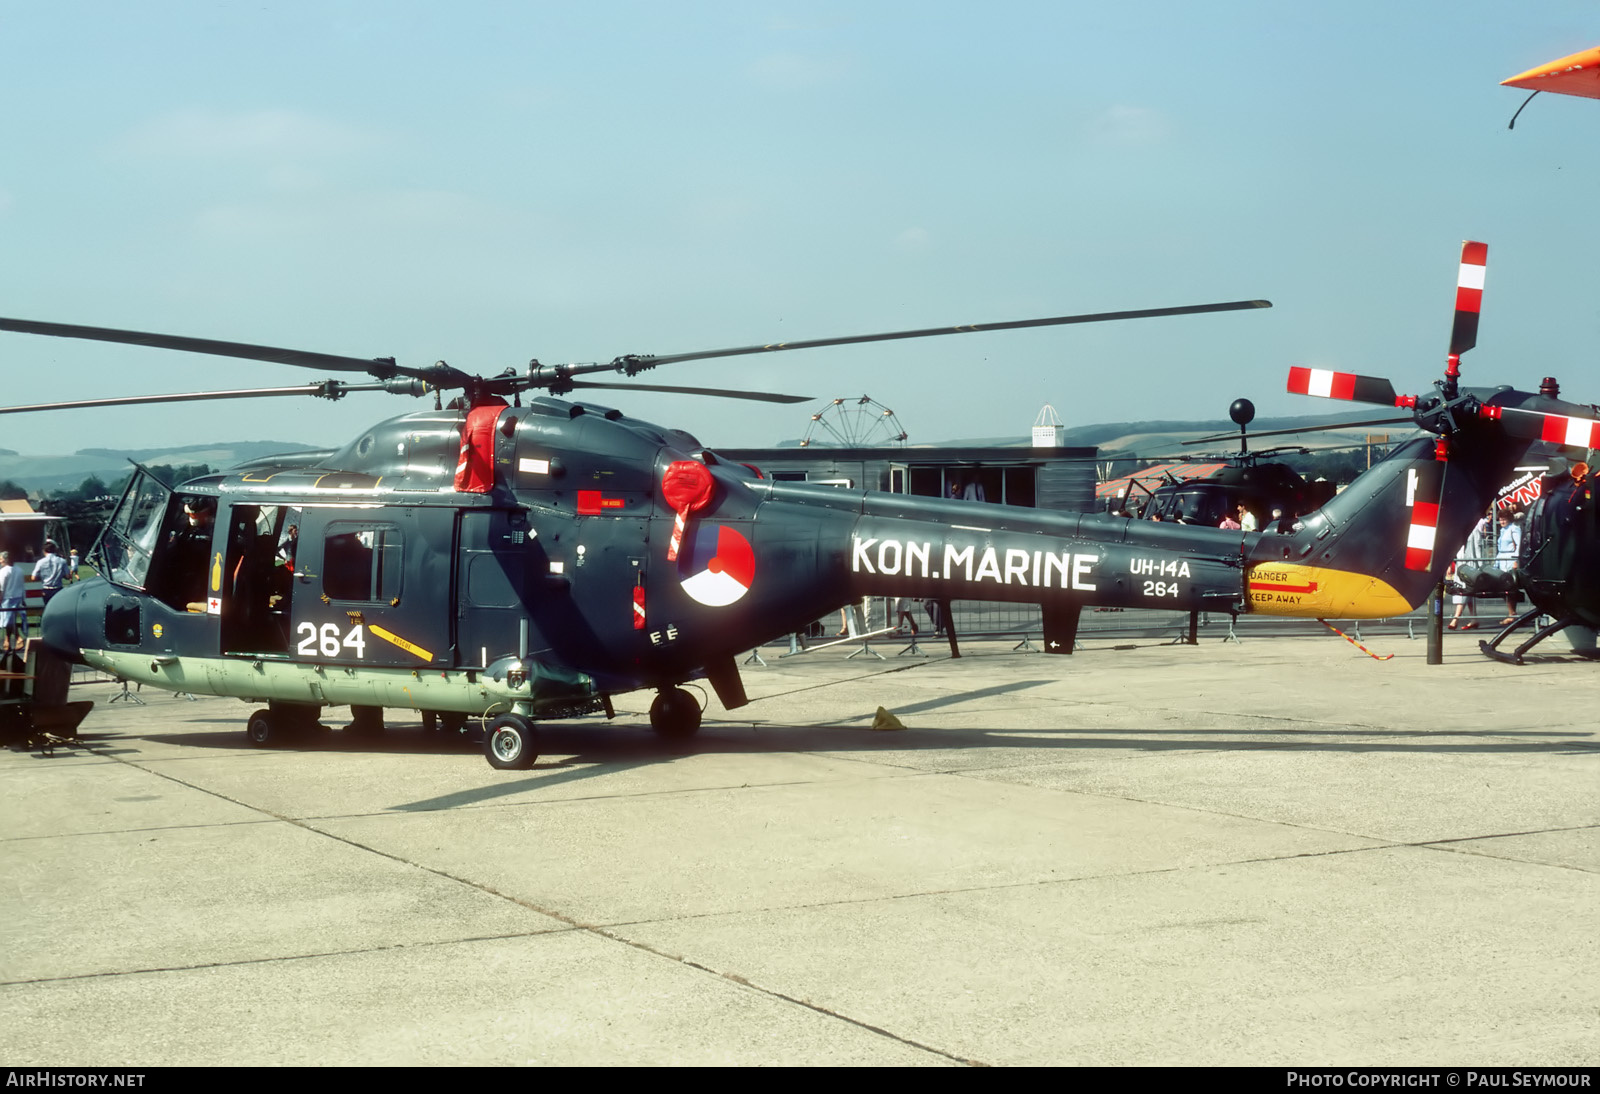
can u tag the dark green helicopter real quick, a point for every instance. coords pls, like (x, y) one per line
(1271, 491)
(1555, 561)
(517, 562)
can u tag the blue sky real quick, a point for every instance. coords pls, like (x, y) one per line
(486, 183)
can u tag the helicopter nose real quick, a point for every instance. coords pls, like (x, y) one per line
(59, 626)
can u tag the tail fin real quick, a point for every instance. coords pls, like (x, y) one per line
(1378, 548)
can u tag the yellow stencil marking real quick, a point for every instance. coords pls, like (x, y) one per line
(1313, 592)
(395, 640)
(216, 573)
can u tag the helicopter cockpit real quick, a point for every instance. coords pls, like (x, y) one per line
(127, 544)
(159, 542)
(1190, 505)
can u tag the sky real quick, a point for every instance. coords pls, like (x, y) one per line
(487, 183)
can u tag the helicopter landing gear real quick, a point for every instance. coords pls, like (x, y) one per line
(675, 714)
(365, 722)
(263, 729)
(510, 745)
(450, 722)
(274, 726)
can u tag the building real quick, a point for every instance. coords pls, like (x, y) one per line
(1061, 478)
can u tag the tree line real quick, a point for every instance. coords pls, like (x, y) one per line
(86, 506)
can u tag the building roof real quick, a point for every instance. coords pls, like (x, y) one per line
(1151, 477)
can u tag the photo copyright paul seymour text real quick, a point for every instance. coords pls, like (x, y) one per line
(1476, 1080)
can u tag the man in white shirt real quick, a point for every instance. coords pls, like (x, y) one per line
(50, 571)
(13, 604)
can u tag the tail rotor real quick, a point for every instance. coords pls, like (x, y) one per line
(1425, 482)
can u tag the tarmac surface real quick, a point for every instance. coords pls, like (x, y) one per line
(1273, 852)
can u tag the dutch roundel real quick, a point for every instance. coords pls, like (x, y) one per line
(716, 565)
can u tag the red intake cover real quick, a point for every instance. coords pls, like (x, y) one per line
(687, 485)
(475, 470)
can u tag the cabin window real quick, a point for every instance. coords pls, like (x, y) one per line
(361, 562)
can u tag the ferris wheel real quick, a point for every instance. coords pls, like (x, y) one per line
(853, 423)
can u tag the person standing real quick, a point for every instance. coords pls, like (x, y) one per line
(1247, 520)
(1471, 554)
(1508, 545)
(50, 571)
(13, 605)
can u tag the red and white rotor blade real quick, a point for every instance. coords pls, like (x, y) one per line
(1327, 384)
(1554, 428)
(1424, 488)
(1469, 296)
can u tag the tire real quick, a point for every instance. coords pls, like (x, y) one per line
(675, 714)
(430, 721)
(263, 730)
(509, 744)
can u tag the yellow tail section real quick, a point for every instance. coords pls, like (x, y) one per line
(1312, 592)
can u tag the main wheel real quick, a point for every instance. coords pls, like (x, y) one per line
(263, 730)
(675, 714)
(509, 744)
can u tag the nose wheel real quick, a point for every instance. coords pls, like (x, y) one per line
(509, 744)
(675, 714)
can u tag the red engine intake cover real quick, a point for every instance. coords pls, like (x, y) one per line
(687, 485)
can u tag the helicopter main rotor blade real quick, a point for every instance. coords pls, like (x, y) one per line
(328, 389)
(755, 396)
(381, 367)
(632, 364)
(1303, 429)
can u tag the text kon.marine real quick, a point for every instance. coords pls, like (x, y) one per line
(1013, 566)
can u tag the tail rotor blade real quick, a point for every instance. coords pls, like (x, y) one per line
(1341, 385)
(1424, 491)
(1469, 296)
(1554, 428)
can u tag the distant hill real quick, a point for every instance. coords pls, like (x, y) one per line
(47, 473)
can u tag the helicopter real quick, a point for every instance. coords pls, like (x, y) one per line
(1561, 530)
(1271, 492)
(521, 562)
(1560, 539)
